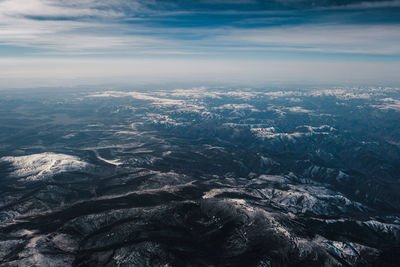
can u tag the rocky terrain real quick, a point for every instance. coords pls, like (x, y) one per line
(200, 177)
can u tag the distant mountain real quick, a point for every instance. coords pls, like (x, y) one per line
(201, 177)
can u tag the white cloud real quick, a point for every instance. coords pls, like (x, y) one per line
(362, 39)
(87, 26)
(68, 9)
(98, 26)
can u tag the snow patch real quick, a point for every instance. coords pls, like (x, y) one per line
(44, 165)
(140, 96)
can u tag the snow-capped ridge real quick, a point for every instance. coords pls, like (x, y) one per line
(43, 165)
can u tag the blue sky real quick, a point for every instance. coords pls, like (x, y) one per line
(58, 42)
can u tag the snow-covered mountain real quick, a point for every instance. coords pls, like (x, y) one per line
(200, 177)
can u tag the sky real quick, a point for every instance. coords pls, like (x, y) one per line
(252, 42)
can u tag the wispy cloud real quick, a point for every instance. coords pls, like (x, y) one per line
(108, 27)
(79, 26)
(366, 5)
(216, 38)
(95, 37)
(232, 2)
(364, 39)
(69, 9)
